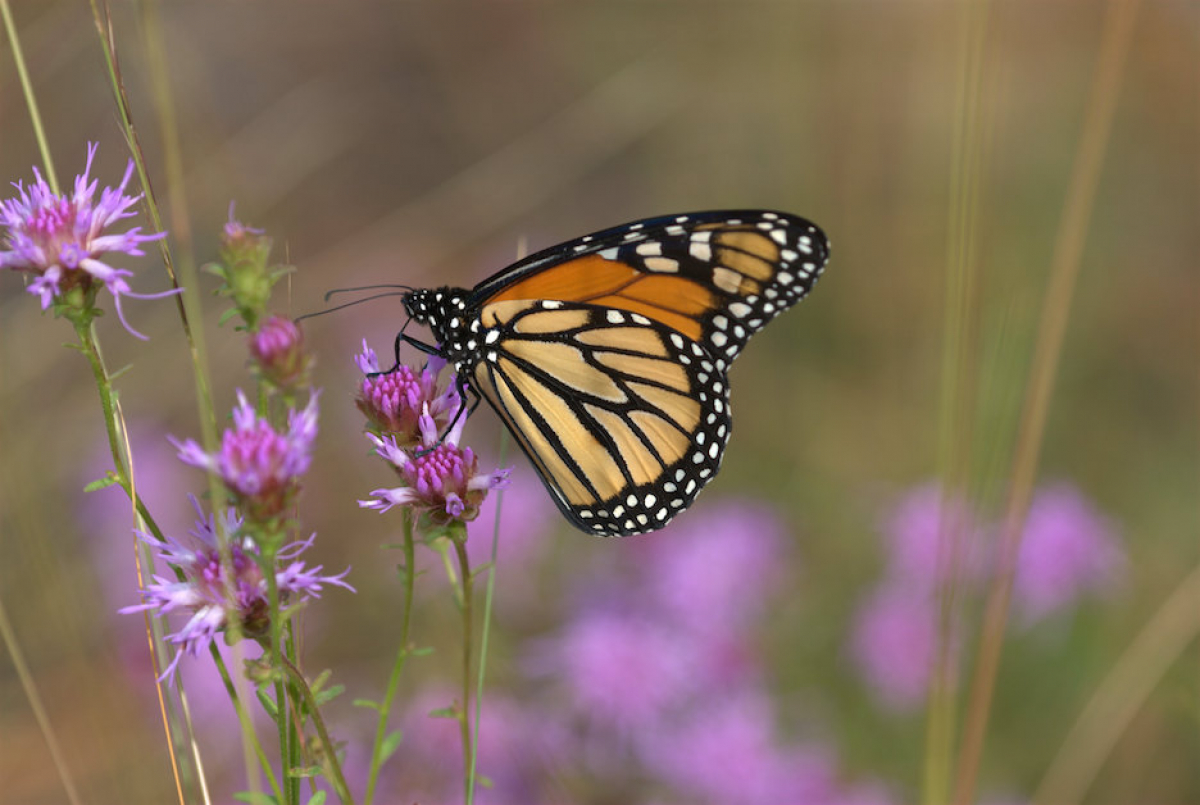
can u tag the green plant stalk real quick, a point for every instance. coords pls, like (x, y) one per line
(291, 789)
(9, 639)
(489, 594)
(957, 399)
(385, 708)
(468, 748)
(244, 720)
(1121, 695)
(1068, 249)
(35, 117)
(301, 686)
(90, 347)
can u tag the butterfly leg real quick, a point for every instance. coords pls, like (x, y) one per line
(463, 388)
(420, 346)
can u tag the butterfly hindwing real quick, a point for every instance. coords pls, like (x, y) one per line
(624, 419)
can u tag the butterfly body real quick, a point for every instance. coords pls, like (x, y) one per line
(607, 356)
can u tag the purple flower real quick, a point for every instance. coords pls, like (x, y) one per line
(727, 753)
(278, 350)
(394, 403)
(1069, 550)
(715, 573)
(624, 671)
(260, 466)
(60, 239)
(441, 481)
(894, 645)
(207, 584)
(933, 538)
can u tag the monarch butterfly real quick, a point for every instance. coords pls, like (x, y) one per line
(606, 356)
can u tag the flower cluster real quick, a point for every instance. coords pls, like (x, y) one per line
(216, 594)
(394, 402)
(60, 241)
(244, 268)
(1068, 552)
(440, 479)
(662, 678)
(260, 466)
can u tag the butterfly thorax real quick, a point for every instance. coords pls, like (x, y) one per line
(444, 311)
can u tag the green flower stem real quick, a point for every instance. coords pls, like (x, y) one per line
(300, 685)
(291, 788)
(385, 708)
(468, 748)
(9, 639)
(35, 117)
(244, 720)
(485, 631)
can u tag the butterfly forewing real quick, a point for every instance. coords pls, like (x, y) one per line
(716, 277)
(624, 419)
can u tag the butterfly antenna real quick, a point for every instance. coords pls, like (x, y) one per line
(352, 304)
(388, 285)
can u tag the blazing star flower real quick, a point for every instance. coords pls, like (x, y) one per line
(259, 466)
(60, 239)
(207, 583)
(442, 480)
(717, 572)
(894, 644)
(926, 532)
(726, 752)
(624, 671)
(1069, 550)
(278, 351)
(393, 403)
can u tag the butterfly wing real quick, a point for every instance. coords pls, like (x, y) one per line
(716, 278)
(624, 418)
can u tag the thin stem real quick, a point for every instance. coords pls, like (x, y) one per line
(385, 708)
(1081, 193)
(35, 703)
(488, 596)
(290, 787)
(35, 117)
(300, 685)
(247, 725)
(468, 749)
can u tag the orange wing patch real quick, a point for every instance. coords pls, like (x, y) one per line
(672, 300)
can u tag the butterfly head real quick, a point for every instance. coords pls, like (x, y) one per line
(441, 309)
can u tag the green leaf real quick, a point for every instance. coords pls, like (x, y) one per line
(265, 698)
(226, 316)
(444, 712)
(255, 798)
(390, 745)
(424, 651)
(305, 771)
(329, 694)
(374, 705)
(317, 798)
(102, 483)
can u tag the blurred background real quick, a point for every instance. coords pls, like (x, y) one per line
(775, 645)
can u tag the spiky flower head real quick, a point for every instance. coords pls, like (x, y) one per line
(441, 481)
(260, 466)
(279, 354)
(60, 241)
(215, 594)
(394, 402)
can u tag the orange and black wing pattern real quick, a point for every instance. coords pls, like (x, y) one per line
(607, 356)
